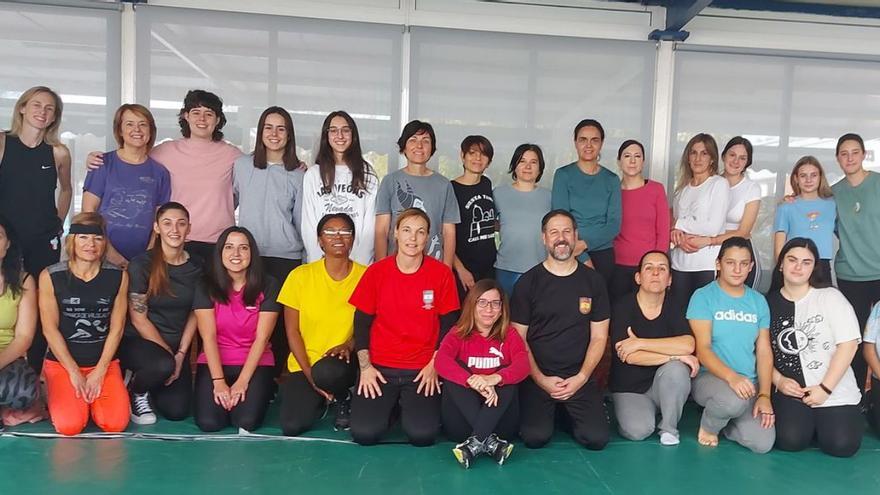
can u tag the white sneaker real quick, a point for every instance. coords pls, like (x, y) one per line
(141, 411)
(667, 438)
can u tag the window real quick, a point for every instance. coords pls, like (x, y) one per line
(76, 53)
(310, 67)
(518, 89)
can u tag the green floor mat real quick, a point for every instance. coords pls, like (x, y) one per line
(324, 462)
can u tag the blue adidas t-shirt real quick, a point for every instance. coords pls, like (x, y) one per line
(736, 322)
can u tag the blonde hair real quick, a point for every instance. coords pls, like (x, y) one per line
(824, 189)
(85, 218)
(50, 134)
(684, 167)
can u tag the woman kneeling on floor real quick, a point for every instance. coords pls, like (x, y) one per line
(653, 363)
(815, 334)
(404, 304)
(731, 324)
(161, 325)
(236, 313)
(19, 385)
(482, 359)
(82, 309)
(320, 330)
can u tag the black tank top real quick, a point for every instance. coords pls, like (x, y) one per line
(84, 310)
(28, 178)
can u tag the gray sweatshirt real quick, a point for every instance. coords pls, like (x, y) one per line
(269, 204)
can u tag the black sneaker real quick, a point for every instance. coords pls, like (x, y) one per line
(498, 448)
(343, 414)
(467, 451)
(141, 410)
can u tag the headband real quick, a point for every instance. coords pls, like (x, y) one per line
(80, 228)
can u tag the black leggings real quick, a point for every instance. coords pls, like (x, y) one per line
(862, 295)
(465, 413)
(838, 429)
(37, 254)
(301, 405)
(248, 414)
(279, 268)
(419, 415)
(685, 283)
(589, 422)
(603, 262)
(152, 366)
(623, 282)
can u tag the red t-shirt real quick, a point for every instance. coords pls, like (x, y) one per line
(407, 309)
(458, 359)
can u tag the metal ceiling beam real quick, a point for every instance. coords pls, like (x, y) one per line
(678, 14)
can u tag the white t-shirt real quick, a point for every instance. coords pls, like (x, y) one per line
(872, 332)
(700, 210)
(805, 339)
(360, 207)
(740, 195)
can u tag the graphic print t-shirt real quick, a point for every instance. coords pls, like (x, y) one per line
(84, 310)
(432, 194)
(475, 235)
(736, 322)
(805, 334)
(129, 196)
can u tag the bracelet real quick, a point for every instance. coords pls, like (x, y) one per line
(216, 379)
(180, 352)
(764, 395)
(826, 389)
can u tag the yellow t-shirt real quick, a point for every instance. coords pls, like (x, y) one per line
(8, 317)
(326, 319)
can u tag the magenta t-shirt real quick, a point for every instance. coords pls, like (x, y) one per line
(237, 323)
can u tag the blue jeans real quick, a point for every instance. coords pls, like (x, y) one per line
(507, 280)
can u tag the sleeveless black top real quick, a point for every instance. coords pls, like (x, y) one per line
(28, 179)
(84, 310)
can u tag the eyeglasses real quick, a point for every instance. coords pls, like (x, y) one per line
(337, 233)
(484, 303)
(335, 131)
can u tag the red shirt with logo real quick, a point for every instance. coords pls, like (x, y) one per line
(407, 309)
(458, 359)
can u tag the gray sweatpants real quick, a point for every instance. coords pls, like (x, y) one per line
(725, 412)
(637, 413)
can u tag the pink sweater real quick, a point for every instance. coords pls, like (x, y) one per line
(645, 224)
(201, 180)
(458, 359)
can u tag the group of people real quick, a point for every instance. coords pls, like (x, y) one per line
(336, 288)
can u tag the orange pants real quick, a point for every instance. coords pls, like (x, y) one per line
(110, 411)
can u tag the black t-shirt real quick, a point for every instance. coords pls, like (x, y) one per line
(84, 310)
(28, 179)
(558, 311)
(671, 322)
(782, 313)
(168, 312)
(475, 234)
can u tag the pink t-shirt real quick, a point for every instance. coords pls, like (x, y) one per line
(237, 324)
(201, 180)
(644, 225)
